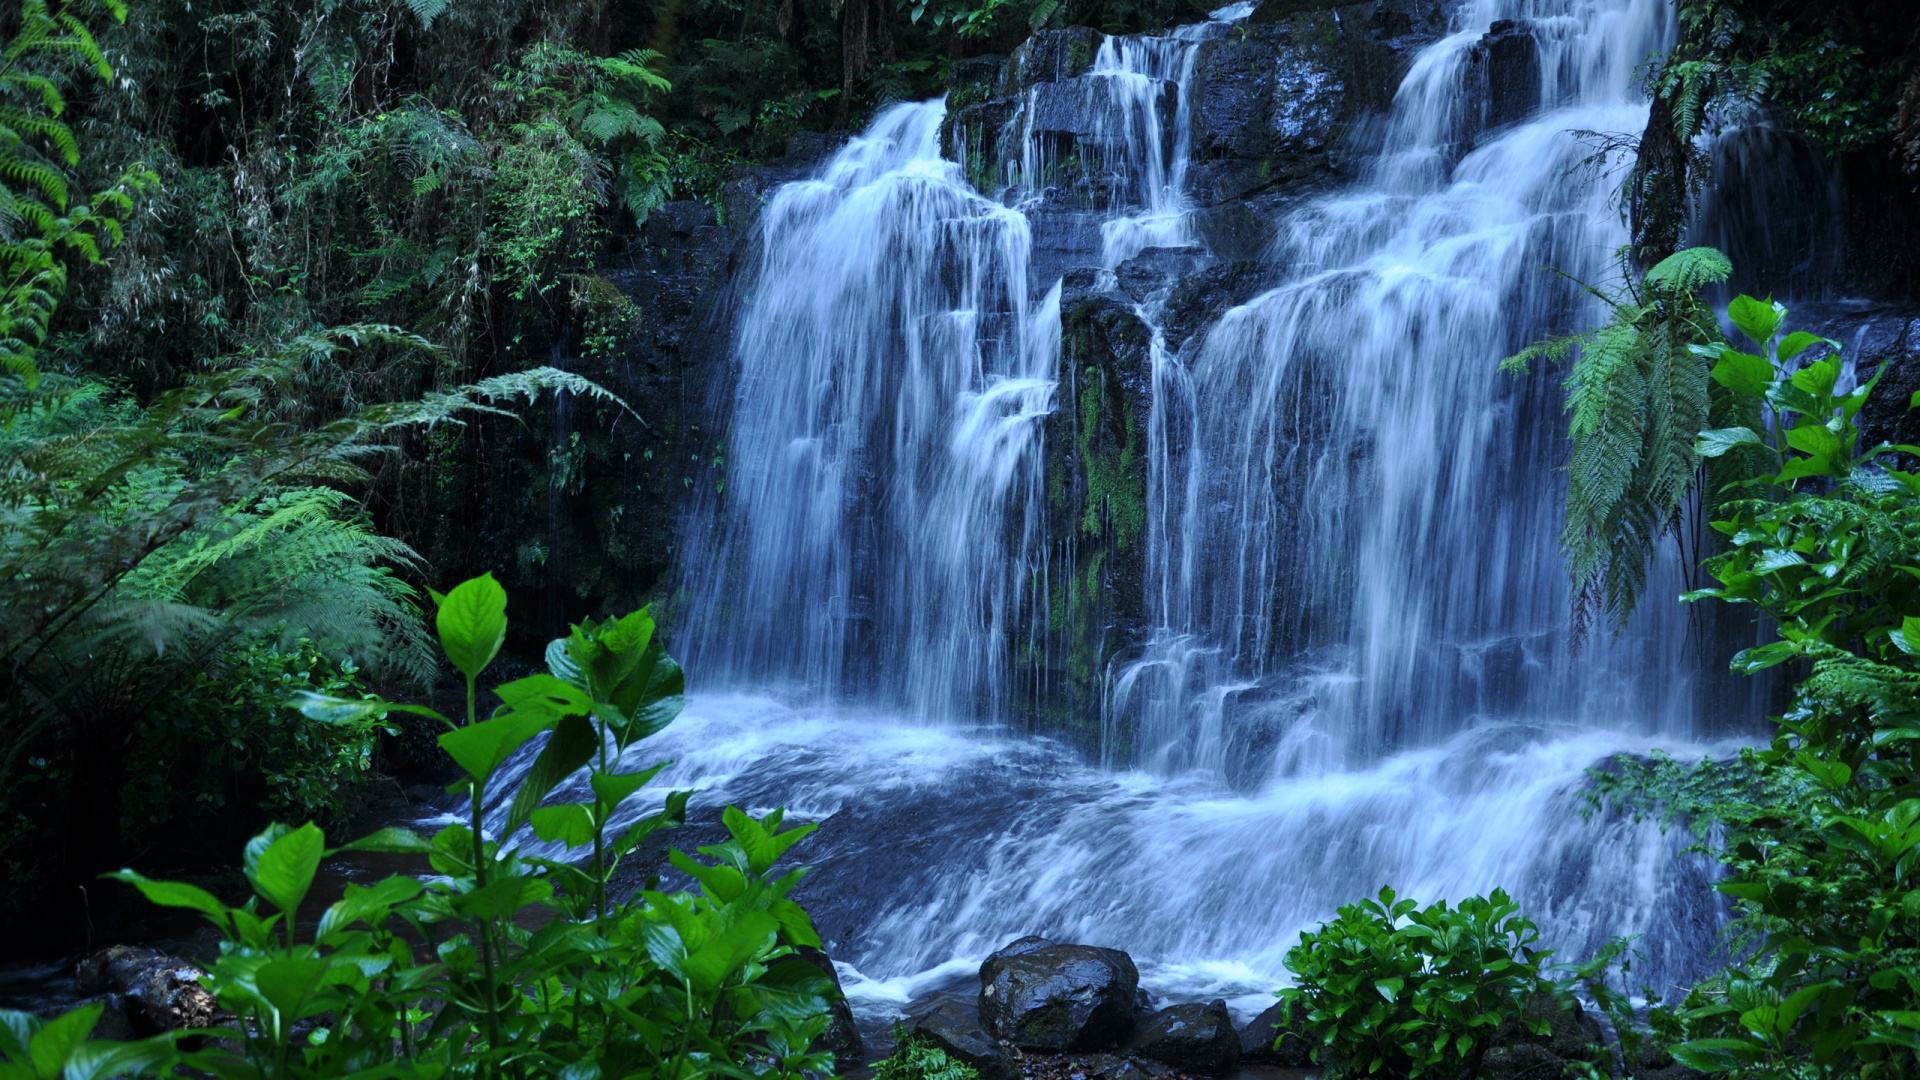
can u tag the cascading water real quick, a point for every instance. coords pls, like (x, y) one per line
(892, 374)
(1351, 542)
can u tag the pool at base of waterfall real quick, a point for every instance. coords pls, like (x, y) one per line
(939, 844)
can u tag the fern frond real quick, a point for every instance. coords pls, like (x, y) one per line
(484, 396)
(1689, 269)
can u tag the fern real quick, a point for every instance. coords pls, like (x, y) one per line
(1636, 399)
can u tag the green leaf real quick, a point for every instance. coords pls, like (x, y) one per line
(1801, 468)
(287, 983)
(571, 824)
(371, 904)
(1717, 441)
(482, 748)
(1907, 638)
(283, 872)
(334, 710)
(723, 883)
(573, 743)
(722, 957)
(175, 894)
(1798, 341)
(1714, 1055)
(1758, 319)
(1743, 373)
(1390, 988)
(54, 1043)
(1819, 377)
(472, 621)
(503, 897)
(543, 691)
(616, 788)
(394, 840)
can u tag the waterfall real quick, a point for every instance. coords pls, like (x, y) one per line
(1358, 668)
(883, 487)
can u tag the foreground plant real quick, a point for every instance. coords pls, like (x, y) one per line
(501, 964)
(1393, 989)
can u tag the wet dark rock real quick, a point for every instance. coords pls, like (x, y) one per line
(1503, 75)
(955, 1028)
(1197, 300)
(1032, 943)
(154, 992)
(1052, 56)
(1873, 338)
(1140, 1069)
(1061, 997)
(842, 1036)
(1285, 87)
(1258, 1039)
(1150, 270)
(1191, 1038)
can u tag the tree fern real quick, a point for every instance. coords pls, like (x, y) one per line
(1637, 398)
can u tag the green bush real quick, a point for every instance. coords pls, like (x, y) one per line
(232, 735)
(916, 1059)
(1395, 989)
(503, 964)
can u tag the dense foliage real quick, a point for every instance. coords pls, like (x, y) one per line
(501, 964)
(1637, 397)
(1394, 989)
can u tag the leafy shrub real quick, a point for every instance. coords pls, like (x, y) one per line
(1819, 830)
(502, 964)
(233, 733)
(917, 1059)
(1392, 988)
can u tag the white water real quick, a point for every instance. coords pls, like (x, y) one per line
(1352, 549)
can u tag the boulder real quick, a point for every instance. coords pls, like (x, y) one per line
(154, 991)
(842, 1036)
(1059, 997)
(955, 1028)
(1503, 75)
(1267, 1041)
(1194, 1039)
(1017, 947)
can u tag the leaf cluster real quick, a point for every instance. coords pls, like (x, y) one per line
(1391, 988)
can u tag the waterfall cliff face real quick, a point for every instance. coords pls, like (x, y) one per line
(1164, 416)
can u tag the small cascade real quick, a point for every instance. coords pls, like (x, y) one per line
(877, 533)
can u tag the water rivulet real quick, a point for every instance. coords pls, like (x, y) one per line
(1350, 664)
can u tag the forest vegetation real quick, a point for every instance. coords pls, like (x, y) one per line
(292, 292)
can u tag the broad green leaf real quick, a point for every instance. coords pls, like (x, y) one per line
(482, 748)
(503, 897)
(1797, 342)
(1717, 441)
(721, 958)
(1389, 988)
(371, 904)
(1758, 319)
(147, 1057)
(571, 824)
(288, 982)
(394, 840)
(752, 838)
(1801, 468)
(472, 621)
(284, 871)
(175, 894)
(573, 743)
(543, 691)
(1815, 439)
(1743, 373)
(723, 883)
(335, 710)
(616, 788)
(1819, 377)
(55, 1042)
(1907, 638)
